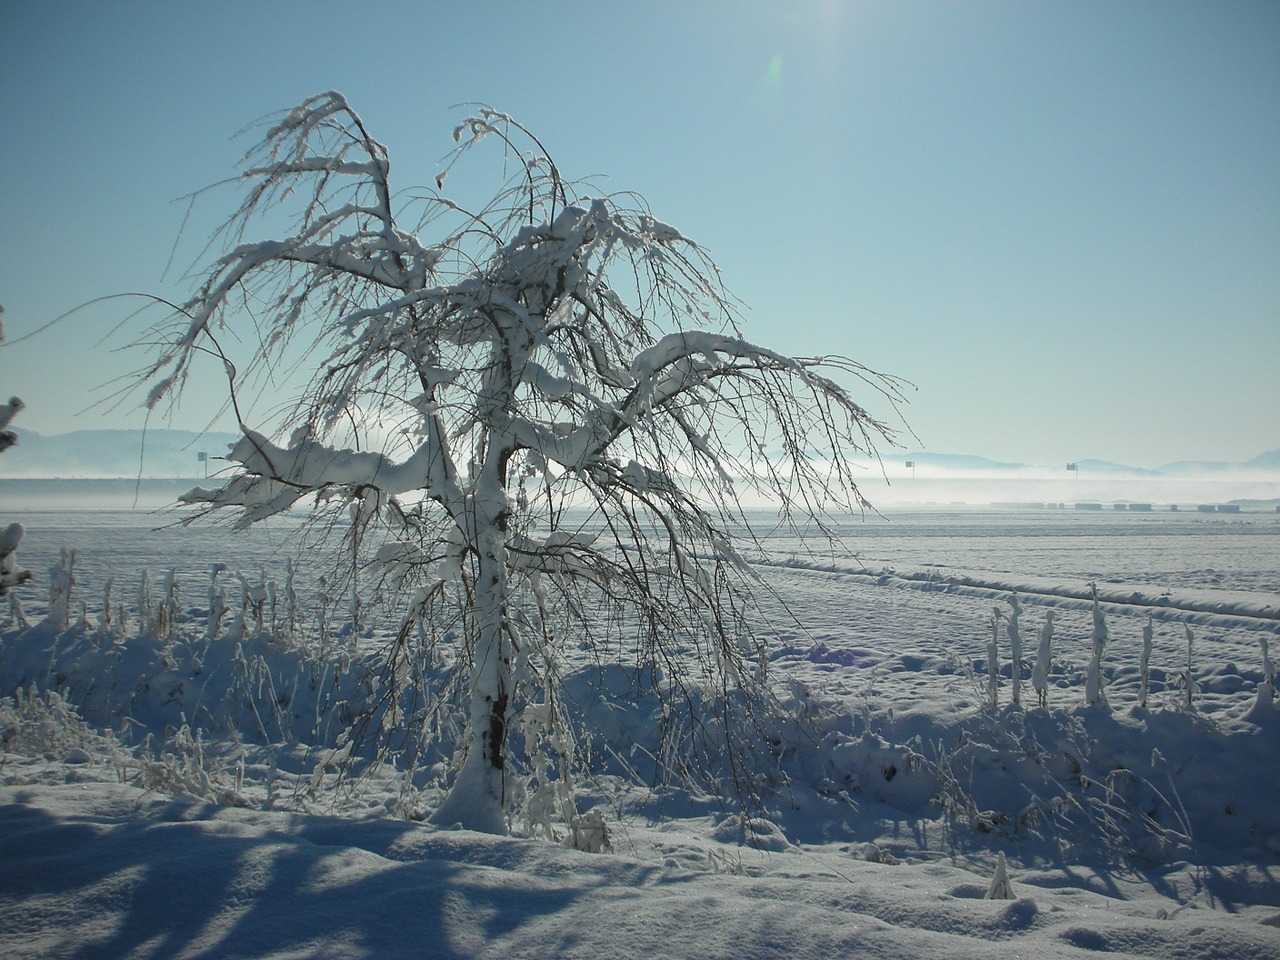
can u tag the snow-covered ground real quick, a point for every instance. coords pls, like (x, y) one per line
(1139, 831)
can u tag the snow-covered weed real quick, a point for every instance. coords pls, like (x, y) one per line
(62, 580)
(1189, 686)
(724, 860)
(181, 766)
(1095, 681)
(42, 724)
(589, 832)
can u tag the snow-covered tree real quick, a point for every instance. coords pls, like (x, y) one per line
(541, 416)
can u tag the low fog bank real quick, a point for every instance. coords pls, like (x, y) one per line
(122, 454)
(21, 494)
(978, 490)
(1252, 495)
(127, 469)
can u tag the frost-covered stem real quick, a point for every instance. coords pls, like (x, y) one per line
(353, 601)
(217, 602)
(145, 619)
(1265, 701)
(1144, 661)
(16, 613)
(238, 622)
(1015, 644)
(169, 610)
(291, 598)
(257, 594)
(1188, 680)
(993, 658)
(1000, 888)
(104, 616)
(1095, 682)
(62, 579)
(1044, 661)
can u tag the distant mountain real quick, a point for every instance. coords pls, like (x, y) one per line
(1199, 468)
(1106, 466)
(1265, 461)
(951, 461)
(173, 453)
(113, 453)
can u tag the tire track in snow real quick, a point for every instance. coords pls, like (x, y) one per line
(1251, 612)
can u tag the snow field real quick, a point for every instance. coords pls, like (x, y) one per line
(886, 799)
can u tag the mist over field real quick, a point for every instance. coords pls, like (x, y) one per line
(152, 470)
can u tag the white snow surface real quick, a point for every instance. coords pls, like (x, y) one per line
(866, 850)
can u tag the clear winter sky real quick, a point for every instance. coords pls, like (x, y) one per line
(1060, 220)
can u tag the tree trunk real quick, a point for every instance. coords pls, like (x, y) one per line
(477, 799)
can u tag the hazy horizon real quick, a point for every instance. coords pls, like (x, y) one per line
(931, 479)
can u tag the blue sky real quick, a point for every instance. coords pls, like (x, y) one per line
(1060, 221)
